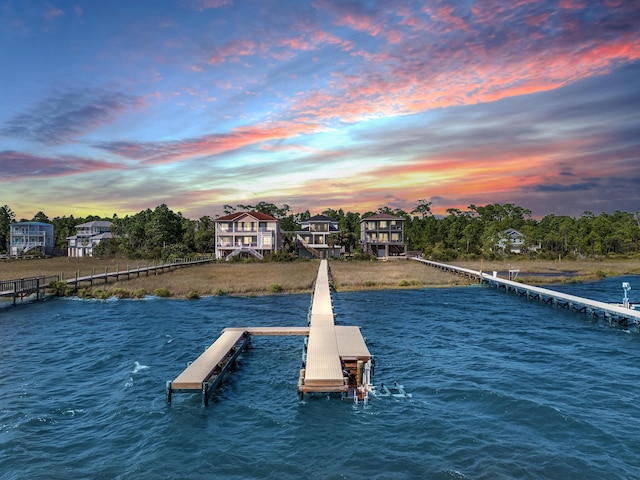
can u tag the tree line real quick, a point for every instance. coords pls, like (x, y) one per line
(460, 234)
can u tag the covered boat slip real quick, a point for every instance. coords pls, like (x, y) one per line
(333, 361)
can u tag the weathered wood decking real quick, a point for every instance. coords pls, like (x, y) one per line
(323, 366)
(204, 367)
(333, 352)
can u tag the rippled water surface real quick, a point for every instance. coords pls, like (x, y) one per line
(501, 387)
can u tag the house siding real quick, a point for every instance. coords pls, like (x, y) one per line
(28, 237)
(88, 235)
(312, 240)
(251, 231)
(383, 236)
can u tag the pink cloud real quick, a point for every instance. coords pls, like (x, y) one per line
(202, 5)
(21, 165)
(232, 51)
(207, 145)
(52, 13)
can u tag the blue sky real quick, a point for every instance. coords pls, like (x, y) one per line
(119, 106)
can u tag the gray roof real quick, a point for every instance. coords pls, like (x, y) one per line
(95, 223)
(319, 218)
(381, 216)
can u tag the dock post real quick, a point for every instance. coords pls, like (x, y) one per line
(359, 370)
(205, 393)
(168, 391)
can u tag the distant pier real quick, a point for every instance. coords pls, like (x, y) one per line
(22, 288)
(621, 315)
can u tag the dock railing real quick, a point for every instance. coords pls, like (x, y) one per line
(614, 313)
(24, 287)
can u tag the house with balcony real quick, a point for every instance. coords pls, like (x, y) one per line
(511, 240)
(313, 238)
(30, 237)
(88, 235)
(251, 233)
(382, 235)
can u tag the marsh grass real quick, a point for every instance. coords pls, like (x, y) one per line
(391, 274)
(257, 278)
(539, 272)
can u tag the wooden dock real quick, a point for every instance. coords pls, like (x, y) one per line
(22, 288)
(25, 287)
(613, 313)
(336, 358)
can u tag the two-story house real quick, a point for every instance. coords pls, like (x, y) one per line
(382, 235)
(253, 233)
(313, 240)
(31, 237)
(88, 235)
(511, 240)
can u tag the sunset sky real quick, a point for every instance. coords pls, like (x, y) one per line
(118, 106)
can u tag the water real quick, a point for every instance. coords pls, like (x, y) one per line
(502, 388)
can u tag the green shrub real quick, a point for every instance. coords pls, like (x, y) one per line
(403, 283)
(218, 292)
(275, 288)
(140, 293)
(121, 293)
(101, 294)
(162, 292)
(193, 295)
(60, 288)
(369, 283)
(84, 293)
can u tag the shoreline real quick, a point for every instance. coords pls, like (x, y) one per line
(268, 278)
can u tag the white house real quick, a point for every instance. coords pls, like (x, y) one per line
(253, 233)
(511, 240)
(88, 235)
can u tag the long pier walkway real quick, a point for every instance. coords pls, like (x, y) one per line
(623, 316)
(336, 358)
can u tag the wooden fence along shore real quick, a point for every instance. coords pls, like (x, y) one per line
(26, 287)
(623, 315)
